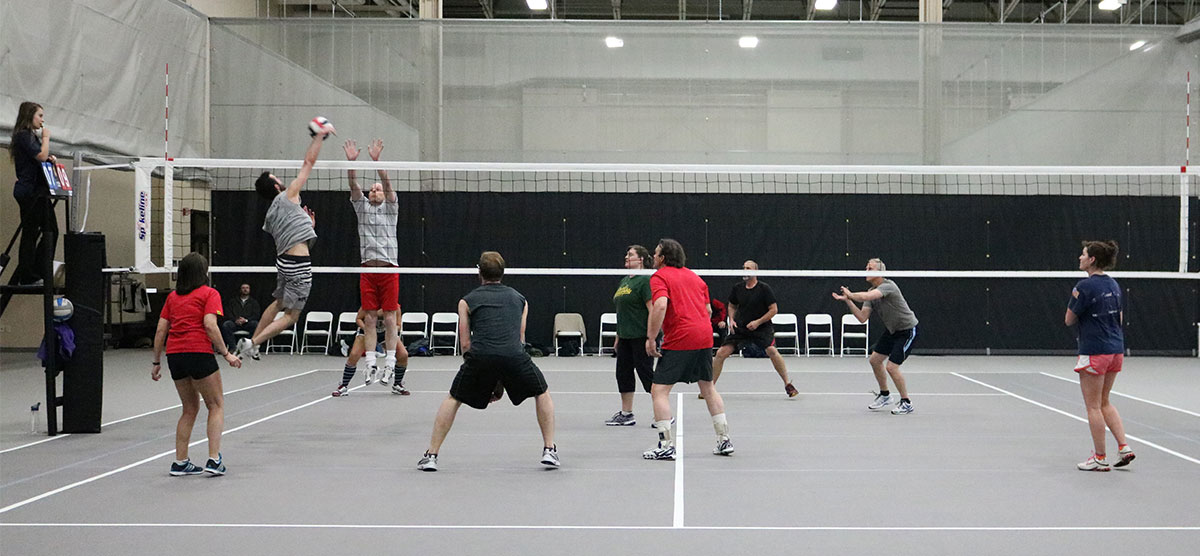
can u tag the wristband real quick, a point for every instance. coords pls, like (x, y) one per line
(157, 363)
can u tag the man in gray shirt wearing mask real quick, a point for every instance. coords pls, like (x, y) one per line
(897, 341)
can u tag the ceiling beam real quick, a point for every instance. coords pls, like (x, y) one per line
(1134, 14)
(747, 7)
(1008, 9)
(810, 9)
(488, 9)
(876, 8)
(1078, 5)
(616, 6)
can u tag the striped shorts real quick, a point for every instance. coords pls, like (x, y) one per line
(293, 281)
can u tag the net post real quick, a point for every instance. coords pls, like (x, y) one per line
(168, 208)
(1183, 220)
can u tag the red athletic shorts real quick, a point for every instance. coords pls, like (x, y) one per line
(379, 291)
(1100, 365)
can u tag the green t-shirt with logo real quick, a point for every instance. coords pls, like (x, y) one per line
(630, 299)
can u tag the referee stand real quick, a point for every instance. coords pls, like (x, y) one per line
(83, 373)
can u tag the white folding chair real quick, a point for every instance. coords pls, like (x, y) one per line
(317, 323)
(448, 329)
(854, 330)
(415, 325)
(347, 327)
(790, 331)
(289, 334)
(819, 326)
(608, 333)
(569, 325)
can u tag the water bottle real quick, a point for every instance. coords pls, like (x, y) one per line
(33, 415)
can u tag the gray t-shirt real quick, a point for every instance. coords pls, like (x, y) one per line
(377, 230)
(288, 224)
(495, 313)
(892, 308)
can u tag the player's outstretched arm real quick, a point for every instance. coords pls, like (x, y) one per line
(310, 158)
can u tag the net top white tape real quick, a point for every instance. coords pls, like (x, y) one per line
(978, 274)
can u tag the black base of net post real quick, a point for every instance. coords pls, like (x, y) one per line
(83, 374)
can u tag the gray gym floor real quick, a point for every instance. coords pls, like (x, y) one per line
(986, 463)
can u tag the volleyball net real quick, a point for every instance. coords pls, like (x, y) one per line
(986, 255)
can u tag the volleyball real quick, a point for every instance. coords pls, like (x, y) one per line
(63, 309)
(319, 125)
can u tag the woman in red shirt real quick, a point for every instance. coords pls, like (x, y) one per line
(188, 327)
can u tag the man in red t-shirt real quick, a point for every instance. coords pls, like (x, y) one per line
(681, 309)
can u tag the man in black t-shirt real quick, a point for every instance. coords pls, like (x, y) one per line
(751, 306)
(491, 330)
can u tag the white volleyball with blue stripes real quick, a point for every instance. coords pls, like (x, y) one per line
(63, 309)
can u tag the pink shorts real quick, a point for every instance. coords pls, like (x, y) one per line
(1100, 365)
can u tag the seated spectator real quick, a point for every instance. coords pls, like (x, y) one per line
(240, 314)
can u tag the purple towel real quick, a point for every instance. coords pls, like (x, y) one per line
(66, 343)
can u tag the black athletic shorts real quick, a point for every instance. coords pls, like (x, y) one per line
(631, 356)
(191, 365)
(478, 375)
(896, 345)
(740, 338)
(684, 366)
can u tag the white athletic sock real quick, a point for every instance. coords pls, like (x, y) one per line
(720, 426)
(390, 356)
(370, 357)
(665, 435)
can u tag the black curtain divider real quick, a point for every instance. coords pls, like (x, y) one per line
(779, 231)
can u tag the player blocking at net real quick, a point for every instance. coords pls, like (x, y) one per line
(377, 212)
(293, 227)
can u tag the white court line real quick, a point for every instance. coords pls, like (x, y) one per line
(966, 528)
(157, 456)
(771, 393)
(102, 425)
(1078, 418)
(677, 522)
(1135, 398)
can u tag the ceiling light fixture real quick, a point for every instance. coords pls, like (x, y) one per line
(748, 42)
(613, 42)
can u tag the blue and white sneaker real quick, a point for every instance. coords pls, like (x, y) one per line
(724, 447)
(881, 401)
(185, 468)
(620, 419)
(215, 467)
(372, 374)
(902, 408)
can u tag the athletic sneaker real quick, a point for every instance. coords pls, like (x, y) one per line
(215, 466)
(620, 419)
(550, 456)
(1126, 457)
(399, 389)
(662, 453)
(791, 390)
(388, 373)
(654, 425)
(245, 347)
(341, 391)
(881, 401)
(345, 348)
(724, 447)
(428, 462)
(372, 374)
(1093, 464)
(902, 408)
(185, 468)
